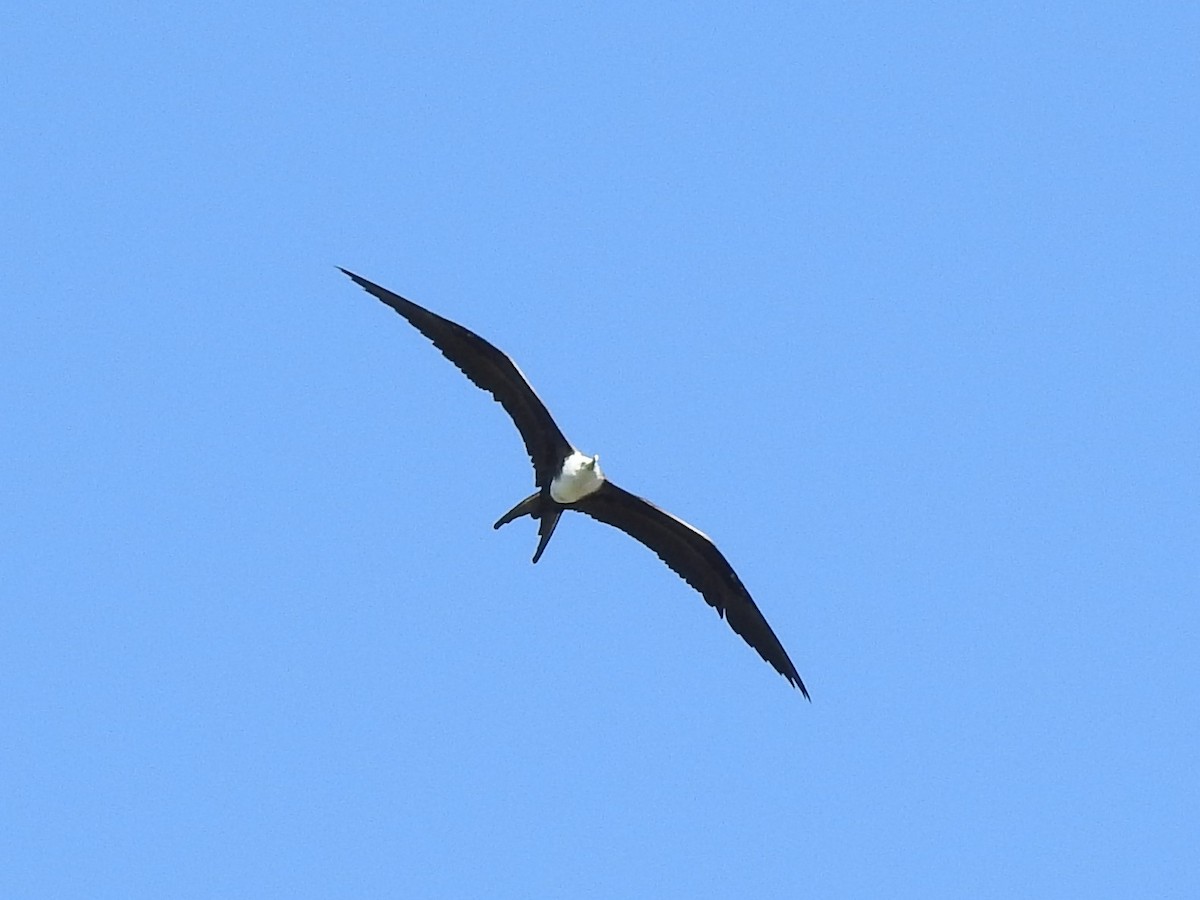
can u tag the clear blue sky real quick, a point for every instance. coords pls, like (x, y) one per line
(900, 303)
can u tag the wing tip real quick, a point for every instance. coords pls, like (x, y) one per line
(799, 685)
(788, 671)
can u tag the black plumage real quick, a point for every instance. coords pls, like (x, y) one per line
(687, 551)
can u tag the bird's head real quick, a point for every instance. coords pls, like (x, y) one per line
(593, 465)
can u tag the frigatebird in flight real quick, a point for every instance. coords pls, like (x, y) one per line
(568, 479)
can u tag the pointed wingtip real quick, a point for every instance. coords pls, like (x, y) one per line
(797, 682)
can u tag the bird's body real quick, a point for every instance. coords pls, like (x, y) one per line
(579, 476)
(568, 479)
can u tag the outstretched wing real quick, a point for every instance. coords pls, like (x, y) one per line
(492, 370)
(696, 559)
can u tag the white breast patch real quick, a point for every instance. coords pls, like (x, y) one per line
(576, 480)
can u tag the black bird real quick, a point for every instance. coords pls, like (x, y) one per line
(568, 479)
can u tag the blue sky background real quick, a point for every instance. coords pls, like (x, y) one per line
(897, 302)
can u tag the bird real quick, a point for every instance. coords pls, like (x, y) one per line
(566, 479)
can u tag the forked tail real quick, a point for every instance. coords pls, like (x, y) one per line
(541, 507)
